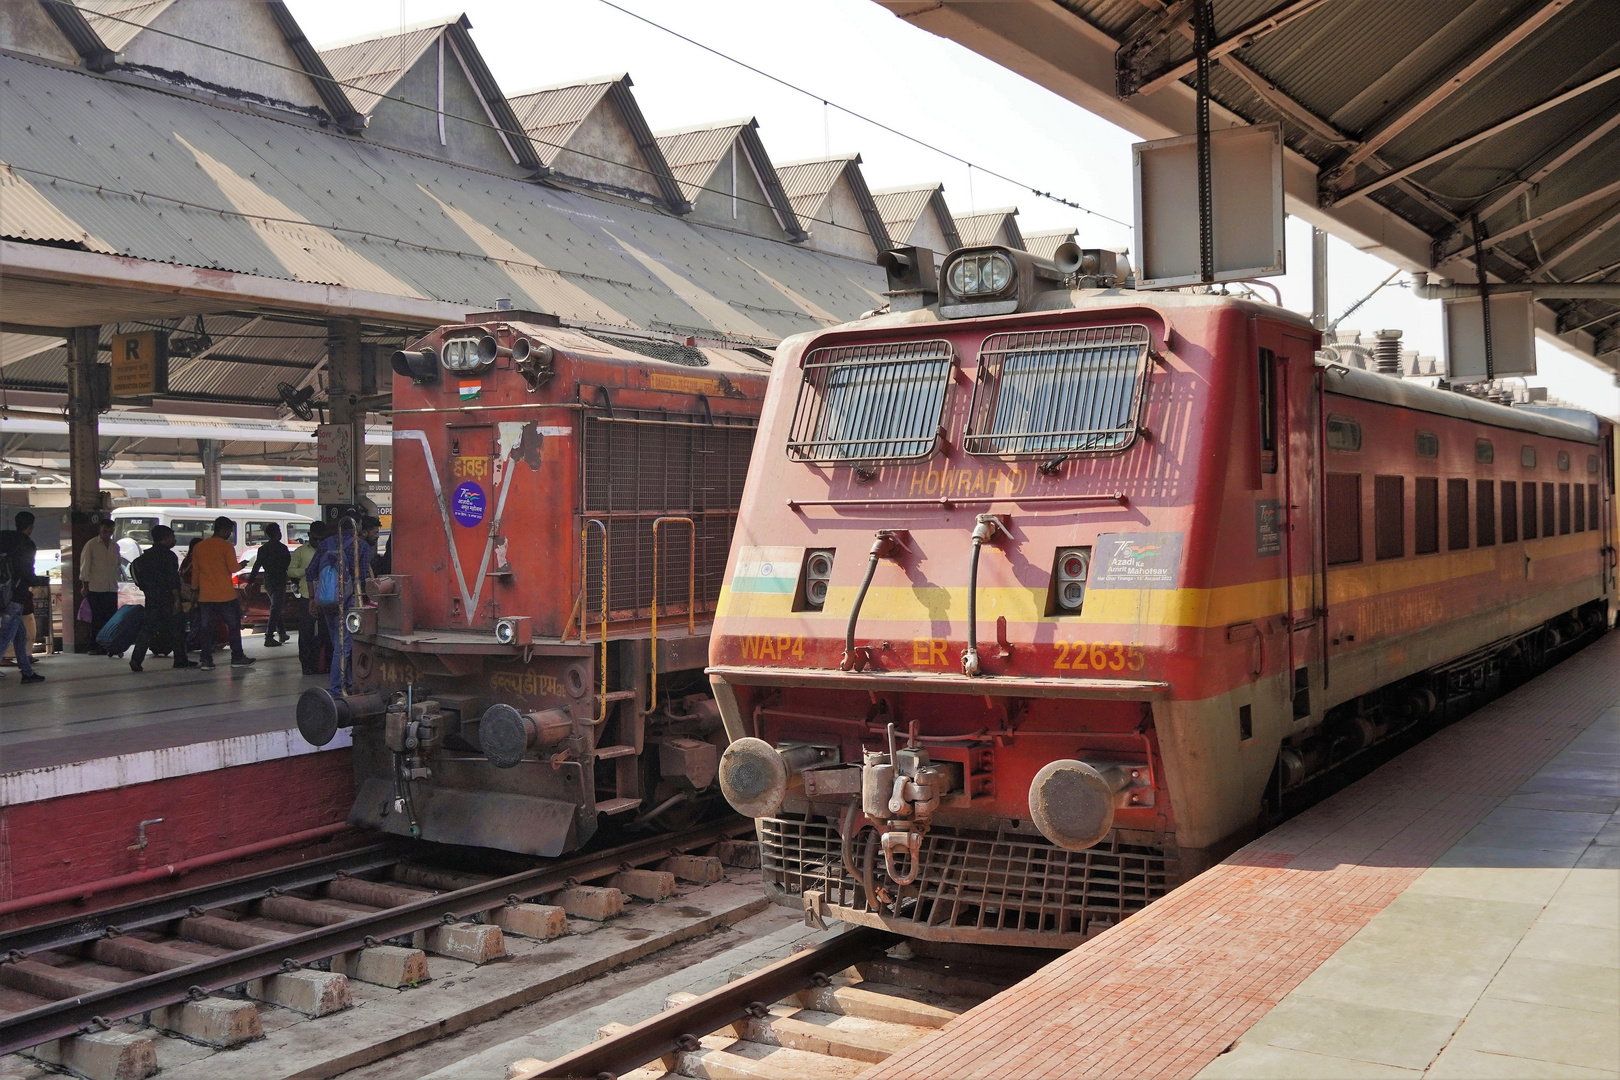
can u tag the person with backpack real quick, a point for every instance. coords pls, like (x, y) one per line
(157, 573)
(17, 551)
(341, 567)
(213, 575)
(17, 580)
(273, 558)
(310, 624)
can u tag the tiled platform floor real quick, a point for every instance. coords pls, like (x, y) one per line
(1452, 914)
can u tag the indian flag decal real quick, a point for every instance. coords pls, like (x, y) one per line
(470, 390)
(767, 570)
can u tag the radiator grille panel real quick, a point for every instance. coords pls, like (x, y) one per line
(974, 881)
(637, 470)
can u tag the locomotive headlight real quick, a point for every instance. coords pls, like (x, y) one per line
(461, 354)
(1069, 578)
(512, 630)
(980, 274)
(351, 621)
(818, 564)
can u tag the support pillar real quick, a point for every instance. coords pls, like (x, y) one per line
(1319, 279)
(344, 389)
(209, 452)
(85, 504)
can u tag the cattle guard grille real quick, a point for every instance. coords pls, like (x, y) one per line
(973, 886)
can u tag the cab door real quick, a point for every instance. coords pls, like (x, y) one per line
(1302, 486)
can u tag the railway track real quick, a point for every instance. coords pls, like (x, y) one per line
(80, 975)
(827, 1013)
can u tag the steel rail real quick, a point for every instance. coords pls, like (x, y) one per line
(72, 1016)
(681, 1028)
(63, 933)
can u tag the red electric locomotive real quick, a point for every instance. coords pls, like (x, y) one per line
(1044, 597)
(563, 508)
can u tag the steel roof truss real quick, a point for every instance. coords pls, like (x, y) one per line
(1246, 35)
(1458, 145)
(1479, 58)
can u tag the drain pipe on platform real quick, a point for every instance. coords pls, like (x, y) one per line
(157, 873)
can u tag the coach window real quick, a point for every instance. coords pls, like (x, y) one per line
(1549, 511)
(1343, 518)
(1389, 517)
(1268, 411)
(1343, 433)
(1528, 519)
(1456, 515)
(1580, 508)
(1426, 515)
(1527, 457)
(1510, 512)
(1484, 512)
(1484, 451)
(1428, 444)
(1563, 510)
(1563, 461)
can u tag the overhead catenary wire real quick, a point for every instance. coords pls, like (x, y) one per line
(862, 117)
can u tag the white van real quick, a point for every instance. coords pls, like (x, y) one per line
(133, 525)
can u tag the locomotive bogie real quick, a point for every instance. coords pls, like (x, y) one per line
(1141, 570)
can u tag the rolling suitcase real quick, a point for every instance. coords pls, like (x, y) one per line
(122, 629)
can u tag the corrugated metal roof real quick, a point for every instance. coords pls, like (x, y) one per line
(808, 183)
(218, 187)
(903, 207)
(693, 153)
(370, 68)
(1044, 244)
(130, 17)
(551, 114)
(984, 226)
(1445, 97)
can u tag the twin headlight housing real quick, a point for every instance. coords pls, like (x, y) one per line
(980, 274)
(994, 280)
(464, 354)
(1069, 573)
(816, 576)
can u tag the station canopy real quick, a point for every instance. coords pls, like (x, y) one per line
(1421, 132)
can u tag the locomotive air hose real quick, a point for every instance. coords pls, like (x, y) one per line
(848, 662)
(970, 656)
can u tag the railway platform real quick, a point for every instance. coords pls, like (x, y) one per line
(1456, 913)
(91, 759)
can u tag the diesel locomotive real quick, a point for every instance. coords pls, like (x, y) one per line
(533, 665)
(1046, 593)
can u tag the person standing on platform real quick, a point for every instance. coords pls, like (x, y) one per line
(17, 579)
(309, 624)
(157, 572)
(17, 551)
(213, 568)
(347, 553)
(273, 559)
(99, 563)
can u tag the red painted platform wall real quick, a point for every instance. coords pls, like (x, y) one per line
(76, 839)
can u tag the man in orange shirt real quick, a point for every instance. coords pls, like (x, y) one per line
(213, 568)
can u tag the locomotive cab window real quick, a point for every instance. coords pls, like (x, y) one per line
(1343, 433)
(1058, 391)
(871, 402)
(1267, 376)
(1428, 444)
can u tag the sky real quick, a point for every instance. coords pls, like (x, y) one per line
(855, 54)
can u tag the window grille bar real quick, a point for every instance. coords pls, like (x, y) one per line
(871, 402)
(1059, 391)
